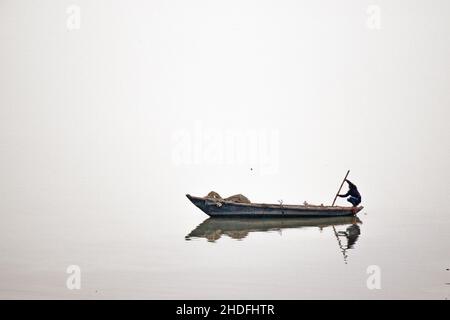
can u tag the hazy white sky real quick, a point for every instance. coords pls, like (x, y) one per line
(93, 114)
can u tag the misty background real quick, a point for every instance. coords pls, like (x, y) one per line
(88, 118)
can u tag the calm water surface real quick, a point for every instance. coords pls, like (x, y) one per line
(177, 252)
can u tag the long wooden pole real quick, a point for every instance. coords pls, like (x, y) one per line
(348, 171)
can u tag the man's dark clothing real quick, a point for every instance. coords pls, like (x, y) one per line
(353, 193)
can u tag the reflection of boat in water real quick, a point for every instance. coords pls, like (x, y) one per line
(238, 228)
(223, 207)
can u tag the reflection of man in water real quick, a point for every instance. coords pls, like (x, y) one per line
(355, 197)
(352, 235)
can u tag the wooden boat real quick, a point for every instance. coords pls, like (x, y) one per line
(225, 208)
(239, 228)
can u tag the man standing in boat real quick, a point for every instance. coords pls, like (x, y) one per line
(355, 196)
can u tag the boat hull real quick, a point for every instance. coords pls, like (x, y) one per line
(223, 208)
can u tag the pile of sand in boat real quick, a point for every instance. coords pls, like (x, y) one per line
(238, 198)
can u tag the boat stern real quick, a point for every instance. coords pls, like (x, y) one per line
(357, 209)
